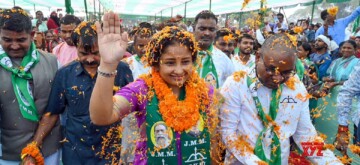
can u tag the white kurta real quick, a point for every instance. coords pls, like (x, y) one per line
(224, 66)
(240, 66)
(137, 68)
(239, 117)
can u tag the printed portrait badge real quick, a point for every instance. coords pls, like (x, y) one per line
(211, 79)
(161, 135)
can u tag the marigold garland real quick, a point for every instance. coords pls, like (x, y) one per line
(180, 115)
(33, 150)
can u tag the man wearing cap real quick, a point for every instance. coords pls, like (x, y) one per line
(321, 57)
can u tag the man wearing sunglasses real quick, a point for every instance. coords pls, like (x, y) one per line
(263, 111)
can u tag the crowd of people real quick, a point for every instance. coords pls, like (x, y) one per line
(81, 92)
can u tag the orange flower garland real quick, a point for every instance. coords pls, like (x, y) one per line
(180, 115)
(33, 150)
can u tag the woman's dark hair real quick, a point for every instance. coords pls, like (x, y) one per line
(307, 47)
(15, 19)
(353, 43)
(43, 44)
(167, 37)
(86, 33)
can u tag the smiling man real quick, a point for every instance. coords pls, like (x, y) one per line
(215, 65)
(245, 60)
(66, 51)
(26, 75)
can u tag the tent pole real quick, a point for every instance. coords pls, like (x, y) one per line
(94, 11)
(34, 8)
(261, 14)
(86, 11)
(312, 12)
(185, 11)
(210, 6)
(99, 12)
(161, 18)
(14, 2)
(171, 12)
(240, 14)
(226, 20)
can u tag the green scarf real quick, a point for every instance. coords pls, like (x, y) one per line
(191, 148)
(208, 71)
(20, 79)
(137, 58)
(300, 69)
(275, 157)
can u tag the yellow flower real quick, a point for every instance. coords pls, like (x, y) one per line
(333, 11)
(298, 29)
(245, 3)
(293, 39)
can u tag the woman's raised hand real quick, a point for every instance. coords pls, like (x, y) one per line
(112, 44)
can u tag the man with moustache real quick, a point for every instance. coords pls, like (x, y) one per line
(321, 57)
(161, 136)
(225, 41)
(66, 51)
(214, 63)
(263, 111)
(71, 91)
(245, 60)
(26, 75)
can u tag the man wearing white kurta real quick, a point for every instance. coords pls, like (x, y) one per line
(244, 61)
(241, 66)
(241, 117)
(137, 66)
(215, 65)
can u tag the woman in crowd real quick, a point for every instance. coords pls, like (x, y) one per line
(51, 40)
(310, 78)
(173, 103)
(39, 40)
(338, 72)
